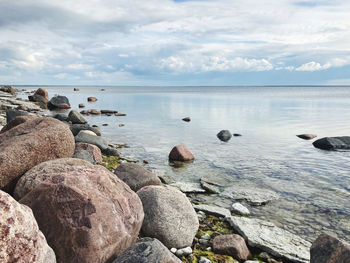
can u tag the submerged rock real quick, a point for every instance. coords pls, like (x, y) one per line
(147, 250)
(169, 216)
(20, 237)
(328, 249)
(272, 239)
(87, 215)
(307, 136)
(181, 153)
(333, 143)
(189, 187)
(224, 135)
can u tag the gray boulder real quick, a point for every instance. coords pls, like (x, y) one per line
(169, 216)
(76, 118)
(271, 239)
(12, 113)
(224, 135)
(333, 143)
(135, 176)
(147, 250)
(76, 128)
(58, 102)
(328, 249)
(92, 139)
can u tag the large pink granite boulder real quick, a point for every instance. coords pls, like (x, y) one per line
(181, 153)
(45, 170)
(17, 121)
(20, 238)
(30, 143)
(87, 215)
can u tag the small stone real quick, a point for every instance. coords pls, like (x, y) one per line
(224, 135)
(91, 99)
(203, 242)
(81, 105)
(205, 236)
(237, 134)
(204, 260)
(184, 252)
(240, 209)
(121, 125)
(173, 250)
(76, 89)
(119, 114)
(307, 136)
(105, 124)
(187, 119)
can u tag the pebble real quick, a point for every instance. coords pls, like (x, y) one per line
(251, 261)
(205, 236)
(240, 209)
(173, 250)
(184, 252)
(204, 242)
(204, 260)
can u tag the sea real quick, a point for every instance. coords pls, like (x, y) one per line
(313, 185)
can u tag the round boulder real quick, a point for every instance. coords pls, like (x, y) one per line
(136, 176)
(33, 142)
(181, 153)
(232, 245)
(147, 250)
(45, 170)
(76, 118)
(224, 135)
(87, 215)
(17, 121)
(20, 237)
(169, 216)
(58, 102)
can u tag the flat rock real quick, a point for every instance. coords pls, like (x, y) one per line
(240, 209)
(189, 187)
(328, 249)
(251, 194)
(46, 170)
(232, 245)
(210, 188)
(169, 216)
(87, 215)
(213, 210)
(306, 136)
(20, 237)
(33, 142)
(271, 239)
(218, 181)
(135, 176)
(333, 143)
(147, 250)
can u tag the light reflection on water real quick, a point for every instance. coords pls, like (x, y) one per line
(269, 155)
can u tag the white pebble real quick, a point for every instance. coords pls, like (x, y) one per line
(205, 236)
(204, 260)
(240, 209)
(173, 250)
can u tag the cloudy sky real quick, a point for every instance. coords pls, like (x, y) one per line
(175, 42)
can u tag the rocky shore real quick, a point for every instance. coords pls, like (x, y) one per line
(67, 195)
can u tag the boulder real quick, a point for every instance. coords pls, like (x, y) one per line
(41, 96)
(17, 121)
(76, 118)
(45, 170)
(267, 237)
(88, 152)
(232, 245)
(42, 92)
(181, 153)
(88, 132)
(147, 250)
(8, 89)
(333, 143)
(92, 139)
(87, 215)
(20, 237)
(76, 128)
(169, 216)
(328, 249)
(33, 142)
(307, 136)
(91, 99)
(12, 113)
(58, 102)
(135, 176)
(60, 117)
(224, 135)
(187, 119)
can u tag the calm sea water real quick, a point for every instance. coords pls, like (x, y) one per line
(314, 185)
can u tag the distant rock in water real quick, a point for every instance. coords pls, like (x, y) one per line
(307, 136)
(224, 135)
(187, 119)
(333, 143)
(91, 99)
(76, 89)
(81, 105)
(58, 102)
(237, 134)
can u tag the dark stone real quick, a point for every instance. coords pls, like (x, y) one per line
(307, 136)
(109, 151)
(81, 105)
(91, 99)
(136, 176)
(76, 118)
(58, 102)
(60, 117)
(76, 128)
(8, 89)
(108, 111)
(40, 100)
(147, 250)
(12, 113)
(187, 119)
(333, 143)
(224, 135)
(237, 134)
(16, 121)
(328, 249)
(92, 139)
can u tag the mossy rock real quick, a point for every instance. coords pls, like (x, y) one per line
(110, 162)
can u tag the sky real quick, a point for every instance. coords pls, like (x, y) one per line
(175, 42)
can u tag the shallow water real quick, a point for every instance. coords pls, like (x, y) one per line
(310, 182)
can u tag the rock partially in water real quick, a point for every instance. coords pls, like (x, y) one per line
(307, 136)
(328, 249)
(91, 99)
(88, 152)
(224, 135)
(181, 153)
(135, 176)
(76, 128)
(169, 216)
(147, 250)
(87, 214)
(333, 143)
(58, 102)
(232, 245)
(189, 187)
(213, 210)
(8, 89)
(187, 119)
(240, 209)
(210, 188)
(81, 105)
(76, 118)
(92, 139)
(251, 194)
(272, 239)
(218, 181)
